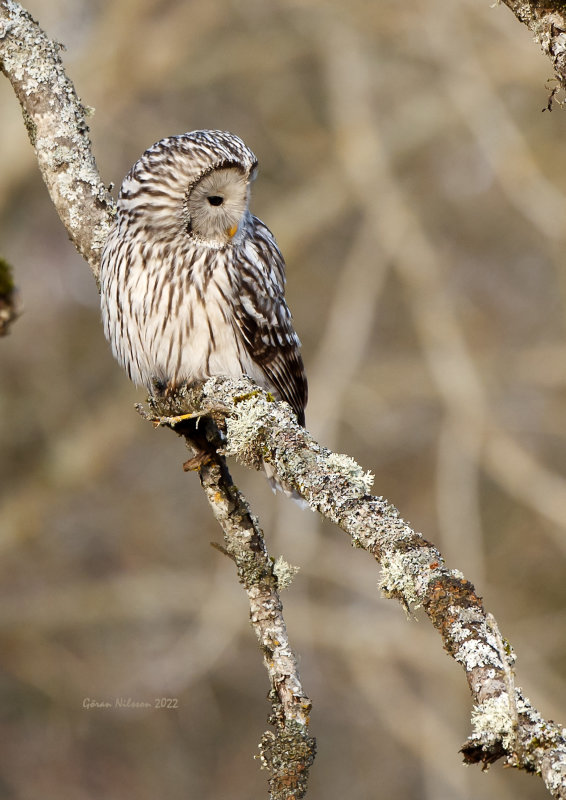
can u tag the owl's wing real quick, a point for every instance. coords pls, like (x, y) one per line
(274, 346)
(264, 320)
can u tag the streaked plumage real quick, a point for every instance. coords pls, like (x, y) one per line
(192, 284)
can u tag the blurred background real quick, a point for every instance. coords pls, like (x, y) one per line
(418, 195)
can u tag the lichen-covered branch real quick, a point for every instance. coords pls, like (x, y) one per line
(546, 19)
(288, 752)
(56, 124)
(505, 725)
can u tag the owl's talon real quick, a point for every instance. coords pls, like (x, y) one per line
(172, 421)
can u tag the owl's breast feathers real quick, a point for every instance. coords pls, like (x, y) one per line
(180, 311)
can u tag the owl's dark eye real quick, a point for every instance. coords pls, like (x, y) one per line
(215, 200)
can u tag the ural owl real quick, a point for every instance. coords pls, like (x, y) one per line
(192, 284)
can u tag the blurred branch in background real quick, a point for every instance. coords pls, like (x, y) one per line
(392, 239)
(8, 310)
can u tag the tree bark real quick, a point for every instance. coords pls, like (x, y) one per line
(546, 19)
(55, 120)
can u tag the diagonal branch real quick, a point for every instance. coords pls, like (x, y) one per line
(56, 124)
(546, 19)
(289, 752)
(505, 724)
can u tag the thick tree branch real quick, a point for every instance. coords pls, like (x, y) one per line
(56, 124)
(546, 19)
(505, 724)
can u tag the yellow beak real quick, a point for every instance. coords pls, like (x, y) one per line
(231, 231)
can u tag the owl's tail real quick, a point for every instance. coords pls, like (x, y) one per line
(277, 486)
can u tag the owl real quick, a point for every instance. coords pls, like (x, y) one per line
(192, 284)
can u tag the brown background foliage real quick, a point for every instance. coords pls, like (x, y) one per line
(417, 193)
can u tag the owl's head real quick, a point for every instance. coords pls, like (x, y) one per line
(194, 185)
(217, 202)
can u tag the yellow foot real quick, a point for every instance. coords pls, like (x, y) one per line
(172, 421)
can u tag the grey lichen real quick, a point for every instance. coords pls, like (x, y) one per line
(284, 572)
(555, 771)
(477, 653)
(466, 615)
(493, 721)
(244, 429)
(287, 754)
(407, 573)
(359, 481)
